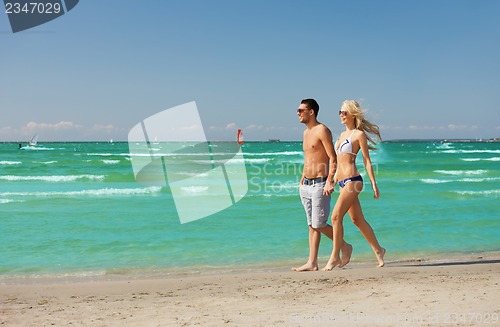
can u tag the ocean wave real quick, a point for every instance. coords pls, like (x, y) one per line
(3, 201)
(37, 148)
(95, 192)
(191, 174)
(51, 276)
(461, 172)
(462, 180)
(10, 163)
(248, 161)
(252, 194)
(45, 162)
(434, 181)
(52, 178)
(178, 155)
(225, 162)
(480, 159)
(281, 153)
(479, 180)
(215, 154)
(482, 193)
(231, 161)
(470, 151)
(110, 162)
(108, 154)
(194, 189)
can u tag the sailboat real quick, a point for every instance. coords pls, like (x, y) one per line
(33, 141)
(31, 144)
(239, 137)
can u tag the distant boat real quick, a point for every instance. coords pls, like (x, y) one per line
(274, 140)
(33, 141)
(239, 137)
(31, 144)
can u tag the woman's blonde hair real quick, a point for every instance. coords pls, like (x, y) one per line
(361, 123)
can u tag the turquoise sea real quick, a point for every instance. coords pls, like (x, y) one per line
(75, 209)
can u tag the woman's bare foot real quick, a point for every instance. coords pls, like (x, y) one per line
(306, 267)
(380, 257)
(346, 255)
(330, 265)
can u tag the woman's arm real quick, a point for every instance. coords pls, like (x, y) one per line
(363, 143)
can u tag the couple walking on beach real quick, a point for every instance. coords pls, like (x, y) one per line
(326, 164)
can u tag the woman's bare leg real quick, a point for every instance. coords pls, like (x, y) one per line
(357, 217)
(347, 196)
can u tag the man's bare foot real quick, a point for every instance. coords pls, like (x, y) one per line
(306, 267)
(330, 265)
(380, 257)
(346, 255)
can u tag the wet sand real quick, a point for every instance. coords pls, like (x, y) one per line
(437, 294)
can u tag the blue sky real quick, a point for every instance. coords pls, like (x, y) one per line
(423, 69)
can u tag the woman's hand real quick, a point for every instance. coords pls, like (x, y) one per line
(328, 189)
(376, 192)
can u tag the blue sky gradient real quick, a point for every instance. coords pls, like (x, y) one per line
(423, 69)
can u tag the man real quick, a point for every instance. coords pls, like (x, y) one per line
(316, 183)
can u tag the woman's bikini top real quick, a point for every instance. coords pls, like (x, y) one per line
(346, 146)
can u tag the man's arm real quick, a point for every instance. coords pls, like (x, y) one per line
(326, 140)
(303, 168)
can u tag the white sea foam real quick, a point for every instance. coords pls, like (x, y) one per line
(110, 154)
(37, 148)
(248, 161)
(434, 181)
(192, 174)
(53, 178)
(284, 153)
(194, 189)
(483, 192)
(470, 151)
(54, 276)
(479, 159)
(470, 159)
(461, 172)
(215, 154)
(110, 162)
(159, 155)
(10, 163)
(272, 195)
(3, 201)
(96, 192)
(462, 180)
(480, 180)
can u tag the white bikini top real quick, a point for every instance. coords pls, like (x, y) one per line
(346, 146)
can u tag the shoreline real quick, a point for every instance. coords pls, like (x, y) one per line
(135, 273)
(451, 292)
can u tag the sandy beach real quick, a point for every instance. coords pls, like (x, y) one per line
(424, 294)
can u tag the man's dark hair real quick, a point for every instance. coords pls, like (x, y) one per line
(312, 104)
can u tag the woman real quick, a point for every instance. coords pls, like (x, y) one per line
(354, 138)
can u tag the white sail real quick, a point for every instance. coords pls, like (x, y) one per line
(33, 141)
